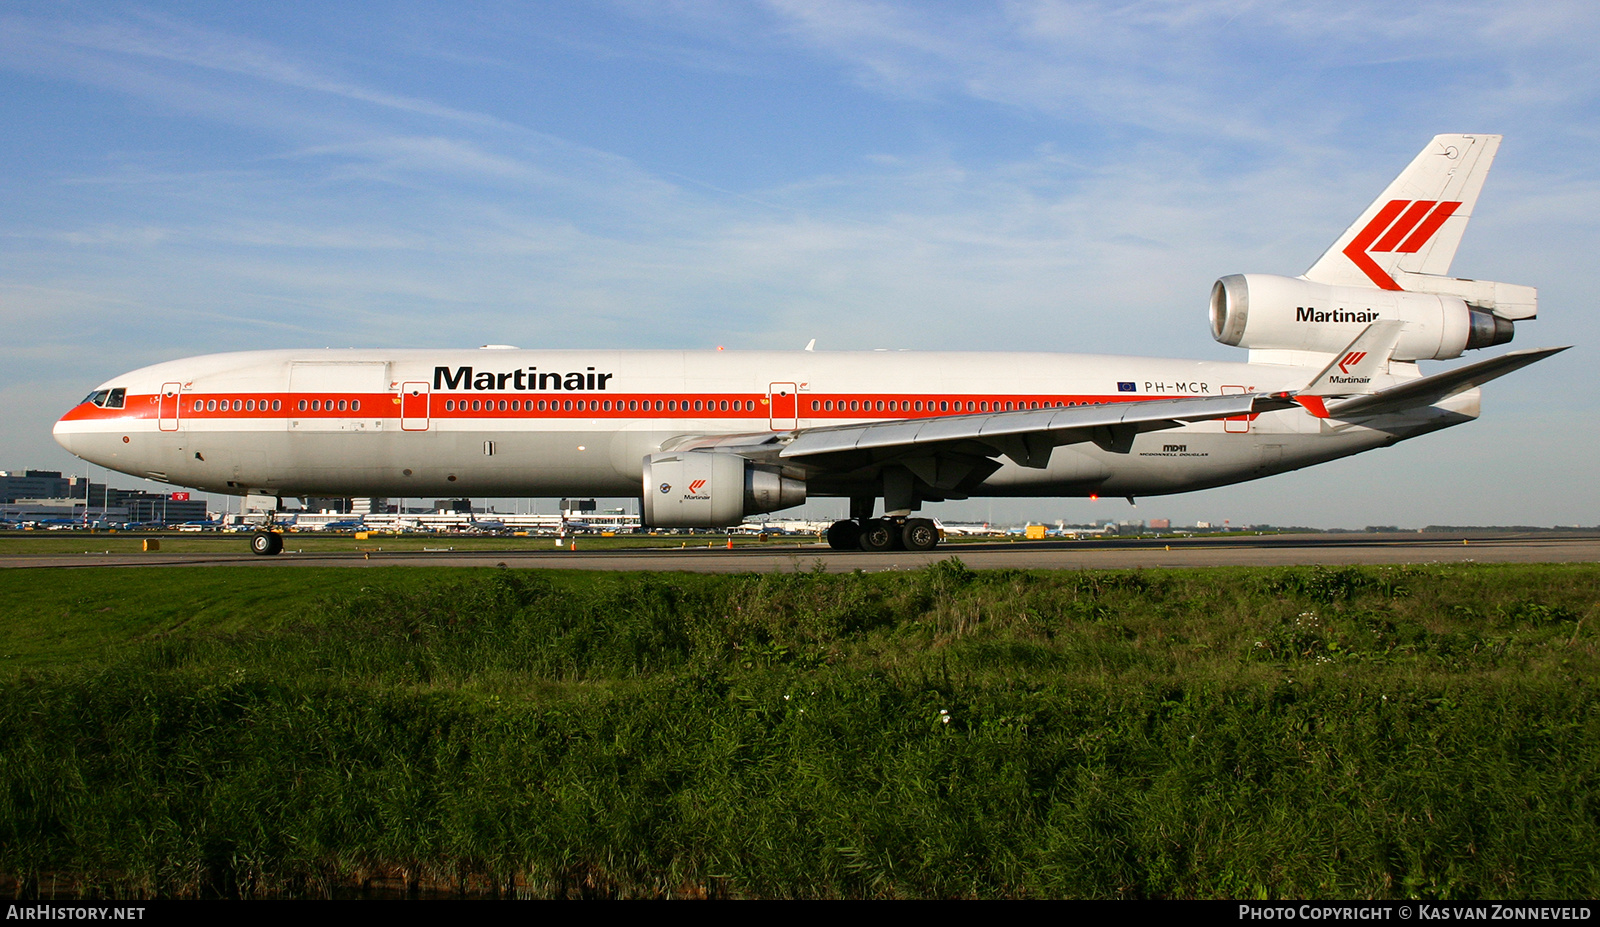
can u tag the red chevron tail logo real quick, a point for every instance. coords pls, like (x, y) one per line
(1350, 360)
(1401, 226)
(694, 488)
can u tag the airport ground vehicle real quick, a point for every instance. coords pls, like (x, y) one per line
(706, 438)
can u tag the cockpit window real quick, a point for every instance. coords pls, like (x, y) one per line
(108, 398)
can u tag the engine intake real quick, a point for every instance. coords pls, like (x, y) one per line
(710, 489)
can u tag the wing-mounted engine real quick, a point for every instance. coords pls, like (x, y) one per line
(713, 489)
(1265, 311)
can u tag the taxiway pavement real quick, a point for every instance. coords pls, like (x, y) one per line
(1243, 550)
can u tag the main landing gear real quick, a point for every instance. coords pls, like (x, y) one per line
(266, 543)
(883, 534)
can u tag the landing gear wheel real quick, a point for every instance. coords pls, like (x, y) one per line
(879, 534)
(920, 534)
(266, 543)
(844, 535)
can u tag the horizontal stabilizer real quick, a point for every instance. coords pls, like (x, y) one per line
(1507, 300)
(1429, 390)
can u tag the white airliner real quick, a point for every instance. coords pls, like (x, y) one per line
(706, 438)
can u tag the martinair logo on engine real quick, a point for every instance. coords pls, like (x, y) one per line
(697, 490)
(1401, 226)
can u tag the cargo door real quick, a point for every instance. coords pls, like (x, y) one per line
(337, 396)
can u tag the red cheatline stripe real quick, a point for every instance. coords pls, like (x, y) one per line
(388, 406)
(1356, 251)
(1406, 223)
(1428, 227)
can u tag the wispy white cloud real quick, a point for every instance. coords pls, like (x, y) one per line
(1237, 70)
(155, 37)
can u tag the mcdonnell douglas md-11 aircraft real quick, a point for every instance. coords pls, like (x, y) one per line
(706, 438)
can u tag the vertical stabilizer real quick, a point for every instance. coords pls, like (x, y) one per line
(1416, 225)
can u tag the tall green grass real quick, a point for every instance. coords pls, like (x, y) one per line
(1427, 732)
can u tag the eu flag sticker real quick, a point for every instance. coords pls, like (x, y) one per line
(1124, 386)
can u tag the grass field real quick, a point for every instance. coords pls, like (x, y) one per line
(1310, 732)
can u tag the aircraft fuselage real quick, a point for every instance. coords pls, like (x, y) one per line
(506, 422)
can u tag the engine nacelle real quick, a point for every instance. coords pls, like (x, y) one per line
(1289, 313)
(710, 489)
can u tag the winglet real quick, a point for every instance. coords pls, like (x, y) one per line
(1352, 370)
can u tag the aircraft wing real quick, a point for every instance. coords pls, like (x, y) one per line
(1026, 436)
(1429, 390)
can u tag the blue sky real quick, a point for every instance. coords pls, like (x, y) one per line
(183, 178)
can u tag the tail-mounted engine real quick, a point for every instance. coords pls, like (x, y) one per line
(711, 489)
(1291, 313)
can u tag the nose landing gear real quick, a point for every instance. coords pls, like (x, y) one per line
(266, 543)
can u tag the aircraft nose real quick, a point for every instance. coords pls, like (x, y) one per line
(65, 434)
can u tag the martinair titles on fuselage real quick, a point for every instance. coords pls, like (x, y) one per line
(523, 380)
